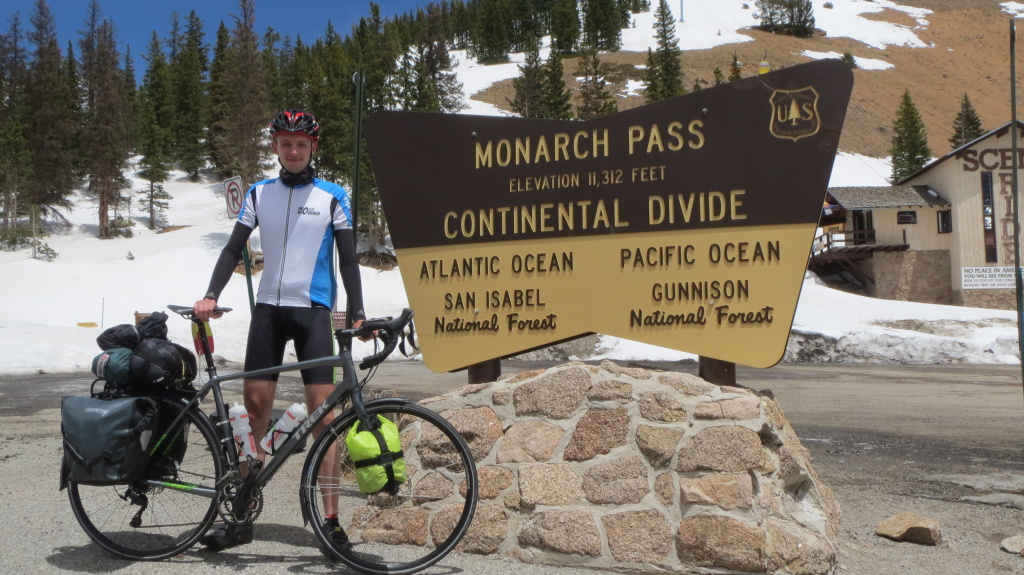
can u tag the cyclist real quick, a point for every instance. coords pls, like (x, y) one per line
(300, 217)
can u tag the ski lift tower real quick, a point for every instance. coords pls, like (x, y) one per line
(681, 10)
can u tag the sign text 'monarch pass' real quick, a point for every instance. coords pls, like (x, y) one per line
(685, 223)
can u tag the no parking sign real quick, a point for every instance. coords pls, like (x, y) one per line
(233, 195)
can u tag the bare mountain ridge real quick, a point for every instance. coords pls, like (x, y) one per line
(968, 52)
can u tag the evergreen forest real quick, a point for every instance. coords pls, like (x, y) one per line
(74, 115)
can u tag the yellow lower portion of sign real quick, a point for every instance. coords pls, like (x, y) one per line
(87, 324)
(728, 294)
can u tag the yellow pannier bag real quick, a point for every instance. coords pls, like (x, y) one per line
(377, 455)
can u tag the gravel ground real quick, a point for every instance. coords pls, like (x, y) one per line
(926, 439)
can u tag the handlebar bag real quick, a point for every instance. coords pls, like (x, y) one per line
(378, 456)
(107, 441)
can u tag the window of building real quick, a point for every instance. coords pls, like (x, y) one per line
(988, 218)
(906, 217)
(945, 222)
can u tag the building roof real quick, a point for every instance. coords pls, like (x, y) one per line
(875, 197)
(998, 132)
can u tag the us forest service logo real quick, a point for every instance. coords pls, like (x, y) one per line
(795, 113)
(682, 223)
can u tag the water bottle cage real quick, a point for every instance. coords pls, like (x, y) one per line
(275, 434)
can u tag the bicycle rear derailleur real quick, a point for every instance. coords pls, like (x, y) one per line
(230, 506)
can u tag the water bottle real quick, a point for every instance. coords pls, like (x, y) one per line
(291, 419)
(241, 431)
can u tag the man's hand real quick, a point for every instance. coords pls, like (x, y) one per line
(356, 325)
(203, 309)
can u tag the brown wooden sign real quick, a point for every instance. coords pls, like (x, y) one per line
(686, 223)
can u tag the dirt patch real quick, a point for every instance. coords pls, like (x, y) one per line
(172, 229)
(945, 328)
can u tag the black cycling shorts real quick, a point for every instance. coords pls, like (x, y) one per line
(273, 326)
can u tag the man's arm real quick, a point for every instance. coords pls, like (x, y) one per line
(222, 271)
(345, 241)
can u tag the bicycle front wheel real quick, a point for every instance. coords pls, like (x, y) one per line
(172, 507)
(413, 526)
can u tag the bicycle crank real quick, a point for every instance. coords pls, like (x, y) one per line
(233, 507)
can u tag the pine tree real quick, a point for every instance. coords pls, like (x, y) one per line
(909, 149)
(525, 27)
(243, 114)
(719, 77)
(664, 72)
(734, 69)
(156, 118)
(461, 25)
(595, 99)
(158, 105)
(188, 67)
(966, 125)
(16, 169)
(51, 130)
(791, 17)
(437, 66)
(155, 202)
(278, 94)
(15, 159)
(493, 40)
(528, 101)
(220, 100)
(557, 99)
(131, 93)
(328, 95)
(107, 126)
(602, 25)
(565, 27)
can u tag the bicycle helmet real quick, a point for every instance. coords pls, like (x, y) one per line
(295, 121)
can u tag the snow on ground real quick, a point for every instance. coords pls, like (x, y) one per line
(1014, 9)
(106, 281)
(862, 63)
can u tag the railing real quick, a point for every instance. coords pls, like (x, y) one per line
(842, 239)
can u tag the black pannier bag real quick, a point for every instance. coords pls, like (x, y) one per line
(107, 441)
(163, 363)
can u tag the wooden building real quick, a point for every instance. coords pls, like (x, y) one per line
(943, 235)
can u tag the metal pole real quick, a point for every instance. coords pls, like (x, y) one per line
(360, 82)
(248, 277)
(1016, 200)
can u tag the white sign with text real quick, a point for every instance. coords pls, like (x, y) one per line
(987, 278)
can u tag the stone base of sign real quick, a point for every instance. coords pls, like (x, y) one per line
(987, 298)
(625, 468)
(915, 275)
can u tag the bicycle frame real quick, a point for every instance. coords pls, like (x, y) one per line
(348, 386)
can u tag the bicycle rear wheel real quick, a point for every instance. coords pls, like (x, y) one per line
(410, 529)
(169, 510)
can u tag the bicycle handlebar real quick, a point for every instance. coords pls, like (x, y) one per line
(388, 330)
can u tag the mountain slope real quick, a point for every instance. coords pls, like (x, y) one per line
(967, 51)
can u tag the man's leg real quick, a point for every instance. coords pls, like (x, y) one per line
(265, 348)
(316, 394)
(259, 396)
